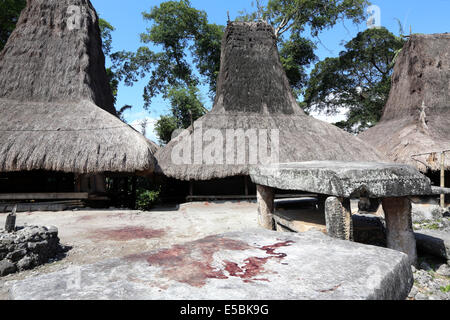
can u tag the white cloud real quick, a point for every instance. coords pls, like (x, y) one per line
(341, 115)
(149, 128)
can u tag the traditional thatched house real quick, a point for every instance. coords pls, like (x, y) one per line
(415, 126)
(57, 116)
(254, 108)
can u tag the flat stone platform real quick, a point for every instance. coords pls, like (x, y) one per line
(253, 264)
(336, 183)
(344, 179)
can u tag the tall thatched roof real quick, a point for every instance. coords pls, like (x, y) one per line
(416, 118)
(56, 106)
(253, 92)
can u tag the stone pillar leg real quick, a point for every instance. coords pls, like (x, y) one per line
(338, 217)
(399, 231)
(265, 207)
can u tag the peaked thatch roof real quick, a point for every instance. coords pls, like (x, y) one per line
(56, 106)
(416, 118)
(253, 92)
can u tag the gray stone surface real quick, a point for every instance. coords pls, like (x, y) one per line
(7, 267)
(338, 218)
(444, 270)
(255, 265)
(435, 242)
(344, 179)
(399, 229)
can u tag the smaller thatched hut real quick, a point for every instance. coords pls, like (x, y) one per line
(415, 126)
(56, 107)
(255, 115)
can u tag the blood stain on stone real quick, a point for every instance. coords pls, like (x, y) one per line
(85, 218)
(191, 263)
(332, 289)
(129, 233)
(178, 265)
(255, 265)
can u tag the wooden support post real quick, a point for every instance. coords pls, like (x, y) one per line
(133, 192)
(265, 198)
(191, 188)
(338, 217)
(399, 231)
(443, 179)
(77, 183)
(246, 185)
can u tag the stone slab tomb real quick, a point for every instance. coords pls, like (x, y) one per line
(337, 182)
(255, 265)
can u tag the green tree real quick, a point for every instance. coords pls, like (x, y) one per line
(186, 107)
(296, 54)
(9, 15)
(190, 47)
(296, 15)
(164, 128)
(359, 79)
(189, 56)
(105, 31)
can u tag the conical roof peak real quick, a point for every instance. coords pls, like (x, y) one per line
(416, 118)
(252, 79)
(55, 54)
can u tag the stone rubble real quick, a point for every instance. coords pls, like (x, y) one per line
(431, 282)
(27, 248)
(432, 277)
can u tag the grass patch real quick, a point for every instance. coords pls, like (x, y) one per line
(445, 289)
(431, 226)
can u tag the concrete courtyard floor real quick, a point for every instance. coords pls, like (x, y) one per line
(93, 236)
(96, 235)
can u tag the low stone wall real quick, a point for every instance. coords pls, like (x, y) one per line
(27, 248)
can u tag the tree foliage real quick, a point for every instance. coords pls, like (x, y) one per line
(296, 54)
(188, 56)
(359, 79)
(190, 47)
(105, 31)
(9, 15)
(297, 15)
(186, 107)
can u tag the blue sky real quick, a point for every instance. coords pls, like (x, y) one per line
(431, 16)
